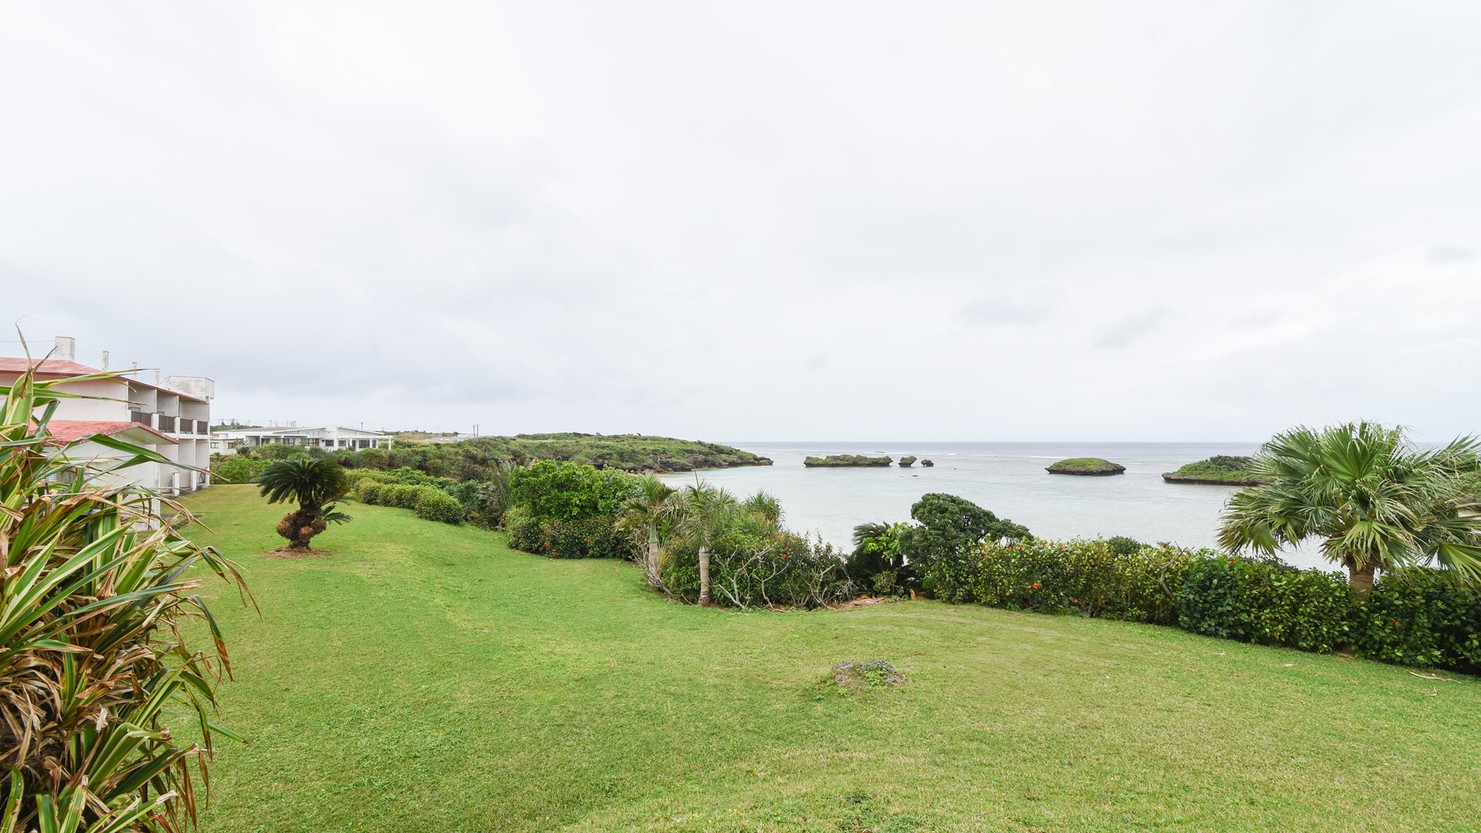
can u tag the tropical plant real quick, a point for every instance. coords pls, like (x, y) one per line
(877, 563)
(1375, 501)
(949, 534)
(701, 514)
(643, 517)
(315, 485)
(94, 596)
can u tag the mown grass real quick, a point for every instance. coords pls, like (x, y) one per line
(420, 677)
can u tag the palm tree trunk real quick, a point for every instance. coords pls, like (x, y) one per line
(653, 571)
(1360, 579)
(704, 575)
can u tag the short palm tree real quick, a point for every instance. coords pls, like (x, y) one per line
(1375, 502)
(315, 485)
(700, 514)
(642, 516)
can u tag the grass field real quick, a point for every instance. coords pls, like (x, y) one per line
(421, 677)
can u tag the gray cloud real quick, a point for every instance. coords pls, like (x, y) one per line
(690, 219)
(1003, 313)
(1452, 254)
(1121, 334)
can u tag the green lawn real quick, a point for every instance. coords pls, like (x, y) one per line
(420, 677)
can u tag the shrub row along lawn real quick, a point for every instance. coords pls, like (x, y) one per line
(421, 677)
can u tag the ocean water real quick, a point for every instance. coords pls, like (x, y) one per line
(1008, 478)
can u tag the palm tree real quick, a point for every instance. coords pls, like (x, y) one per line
(316, 485)
(642, 515)
(1375, 501)
(701, 513)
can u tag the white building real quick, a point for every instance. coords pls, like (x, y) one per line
(172, 418)
(329, 438)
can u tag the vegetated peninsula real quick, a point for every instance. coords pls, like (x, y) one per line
(847, 461)
(1086, 467)
(627, 452)
(1219, 470)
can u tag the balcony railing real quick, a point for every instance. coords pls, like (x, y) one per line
(166, 424)
(140, 416)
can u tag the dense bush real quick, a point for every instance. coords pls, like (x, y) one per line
(484, 501)
(595, 537)
(1091, 577)
(1267, 602)
(559, 491)
(234, 468)
(1418, 616)
(949, 533)
(433, 504)
(877, 564)
(567, 510)
(752, 565)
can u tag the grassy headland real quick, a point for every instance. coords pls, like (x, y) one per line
(628, 452)
(423, 677)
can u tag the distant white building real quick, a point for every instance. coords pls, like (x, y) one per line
(172, 418)
(329, 438)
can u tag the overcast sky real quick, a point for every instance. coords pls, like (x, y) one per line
(742, 220)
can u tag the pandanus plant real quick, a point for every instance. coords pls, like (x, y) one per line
(95, 589)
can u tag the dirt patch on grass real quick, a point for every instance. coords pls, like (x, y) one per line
(284, 552)
(863, 601)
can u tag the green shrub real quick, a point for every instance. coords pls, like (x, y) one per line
(877, 564)
(1420, 616)
(433, 504)
(400, 496)
(1122, 545)
(759, 567)
(484, 501)
(234, 468)
(949, 534)
(558, 491)
(369, 491)
(1266, 602)
(1090, 577)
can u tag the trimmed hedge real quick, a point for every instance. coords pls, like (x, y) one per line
(437, 505)
(1093, 578)
(1267, 602)
(1416, 616)
(429, 502)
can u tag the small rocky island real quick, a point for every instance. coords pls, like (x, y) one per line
(846, 461)
(927, 463)
(1219, 470)
(907, 461)
(1086, 467)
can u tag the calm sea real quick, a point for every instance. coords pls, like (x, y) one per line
(1008, 478)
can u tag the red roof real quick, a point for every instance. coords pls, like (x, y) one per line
(49, 367)
(72, 430)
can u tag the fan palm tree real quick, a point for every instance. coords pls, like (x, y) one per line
(701, 513)
(1375, 502)
(642, 515)
(315, 485)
